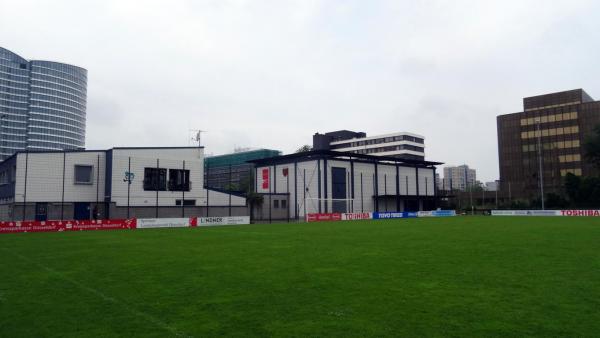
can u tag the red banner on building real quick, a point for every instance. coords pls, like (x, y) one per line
(265, 178)
(52, 226)
(324, 217)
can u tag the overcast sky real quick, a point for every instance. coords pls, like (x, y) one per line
(272, 73)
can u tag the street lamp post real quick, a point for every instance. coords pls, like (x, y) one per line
(541, 172)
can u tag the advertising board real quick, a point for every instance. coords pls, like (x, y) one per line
(389, 215)
(146, 223)
(225, 220)
(436, 213)
(586, 213)
(52, 226)
(351, 216)
(526, 212)
(323, 217)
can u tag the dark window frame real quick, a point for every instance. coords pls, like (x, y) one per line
(91, 174)
(155, 179)
(175, 178)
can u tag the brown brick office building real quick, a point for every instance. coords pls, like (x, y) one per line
(565, 120)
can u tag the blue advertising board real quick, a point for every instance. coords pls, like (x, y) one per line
(389, 215)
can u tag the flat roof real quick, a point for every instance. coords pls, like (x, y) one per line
(341, 155)
(91, 150)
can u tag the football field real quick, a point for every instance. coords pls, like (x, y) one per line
(426, 277)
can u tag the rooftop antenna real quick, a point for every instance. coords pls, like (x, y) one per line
(197, 136)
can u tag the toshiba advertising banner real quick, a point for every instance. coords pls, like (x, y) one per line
(226, 220)
(147, 223)
(588, 213)
(53, 226)
(351, 216)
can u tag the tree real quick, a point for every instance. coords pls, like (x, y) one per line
(591, 147)
(572, 185)
(304, 148)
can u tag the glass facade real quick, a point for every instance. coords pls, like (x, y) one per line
(42, 105)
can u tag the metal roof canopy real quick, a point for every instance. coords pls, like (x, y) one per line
(342, 156)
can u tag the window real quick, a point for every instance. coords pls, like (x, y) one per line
(83, 174)
(155, 179)
(275, 204)
(179, 180)
(283, 204)
(186, 202)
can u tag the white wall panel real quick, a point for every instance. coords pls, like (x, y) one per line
(408, 174)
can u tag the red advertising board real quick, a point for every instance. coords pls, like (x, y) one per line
(265, 178)
(593, 213)
(324, 217)
(50, 226)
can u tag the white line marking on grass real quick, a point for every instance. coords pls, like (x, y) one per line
(102, 296)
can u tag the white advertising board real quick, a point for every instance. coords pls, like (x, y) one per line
(224, 220)
(351, 216)
(146, 223)
(526, 213)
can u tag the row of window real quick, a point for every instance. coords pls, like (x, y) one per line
(12, 104)
(155, 179)
(62, 107)
(276, 204)
(66, 125)
(12, 64)
(23, 92)
(45, 137)
(554, 106)
(569, 158)
(14, 84)
(55, 132)
(18, 72)
(51, 116)
(574, 171)
(549, 118)
(60, 100)
(379, 141)
(7, 97)
(57, 81)
(38, 144)
(390, 148)
(550, 132)
(61, 67)
(79, 78)
(12, 78)
(552, 145)
(77, 97)
(55, 86)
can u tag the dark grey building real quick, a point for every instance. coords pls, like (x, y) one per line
(42, 105)
(231, 172)
(558, 123)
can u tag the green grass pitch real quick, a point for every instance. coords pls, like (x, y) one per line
(461, 276)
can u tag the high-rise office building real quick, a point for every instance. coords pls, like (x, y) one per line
(559, 122)
(42, 105)
(459, 178)
(401, 145)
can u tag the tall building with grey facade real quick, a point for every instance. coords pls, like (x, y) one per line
(459, 178)
(42, 105)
